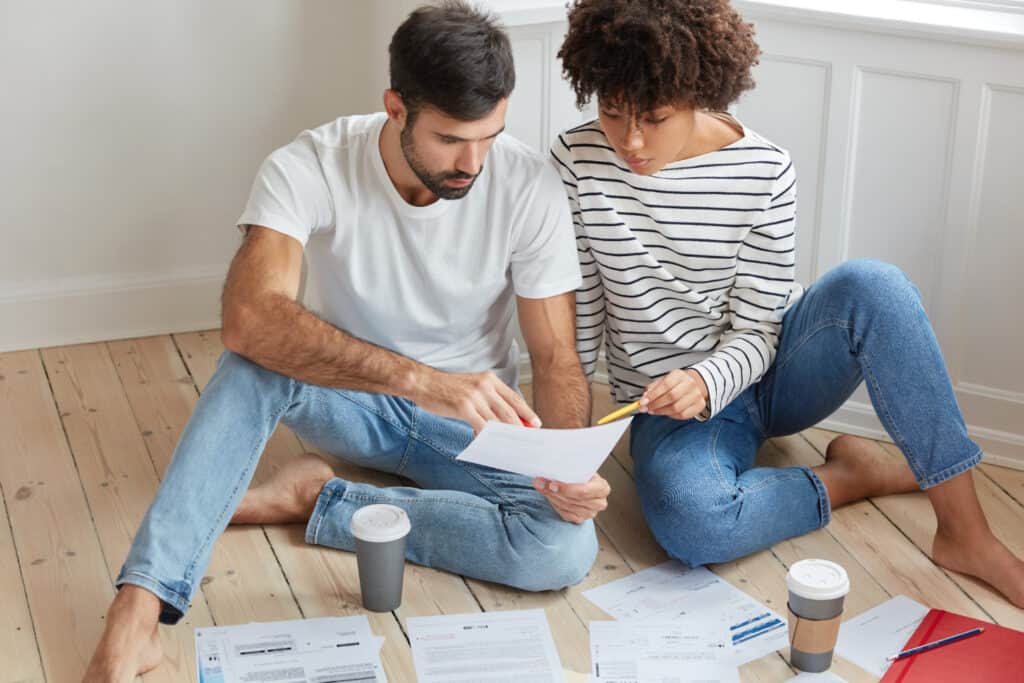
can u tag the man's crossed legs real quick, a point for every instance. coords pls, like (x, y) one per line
(466, 519)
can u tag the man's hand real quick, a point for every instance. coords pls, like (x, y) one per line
(575, 503)
(474, 397)
(681, 394)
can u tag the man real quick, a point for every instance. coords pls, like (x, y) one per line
(418, 253)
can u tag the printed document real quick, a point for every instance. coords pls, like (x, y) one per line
(870, 637)
(484, 647)
(656, 652)
(567, 455)
(306, 650)
(696, 599)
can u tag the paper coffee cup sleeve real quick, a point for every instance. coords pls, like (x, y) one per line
(813, 636)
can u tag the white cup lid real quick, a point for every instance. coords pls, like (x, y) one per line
(380, 523)
(818, 580)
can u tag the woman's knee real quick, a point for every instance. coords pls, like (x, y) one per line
(874, 281)
(693, 525)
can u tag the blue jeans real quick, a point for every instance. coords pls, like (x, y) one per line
(704, 499)
(466, 518)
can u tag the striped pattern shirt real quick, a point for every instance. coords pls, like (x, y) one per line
(691, 267)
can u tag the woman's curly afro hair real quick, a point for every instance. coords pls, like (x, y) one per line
(643, 54)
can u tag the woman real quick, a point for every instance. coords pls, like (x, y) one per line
(685, 225)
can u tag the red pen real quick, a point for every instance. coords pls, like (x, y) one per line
(526, 424)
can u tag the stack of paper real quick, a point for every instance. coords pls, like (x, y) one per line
(312, 650)
(656, 651)
(486, 646)
(698, 602)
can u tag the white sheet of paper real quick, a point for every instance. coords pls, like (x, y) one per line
(312, 649)
(568, 455)
(656, 652)
(700, 600)
(870, 637)
(485, 646)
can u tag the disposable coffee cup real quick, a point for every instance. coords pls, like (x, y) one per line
(817, 590)
(380, 532)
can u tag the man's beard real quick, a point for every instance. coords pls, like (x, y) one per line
(433, 181)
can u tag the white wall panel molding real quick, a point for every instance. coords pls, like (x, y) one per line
(77, 310)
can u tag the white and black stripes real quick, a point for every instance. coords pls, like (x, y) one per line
(690, 267)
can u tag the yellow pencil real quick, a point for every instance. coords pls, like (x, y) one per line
(621, 412)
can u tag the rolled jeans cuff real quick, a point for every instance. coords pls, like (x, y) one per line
(173, 604)
(335, 488)
(824, 505)
(950, 472)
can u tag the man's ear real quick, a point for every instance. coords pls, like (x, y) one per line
(395, 108)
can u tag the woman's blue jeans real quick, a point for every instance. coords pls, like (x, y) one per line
(704, 499)
(467, 519)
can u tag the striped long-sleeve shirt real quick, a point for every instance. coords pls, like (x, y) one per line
(691, 267)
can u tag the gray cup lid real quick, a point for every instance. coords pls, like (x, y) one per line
(380, 523)
(818, 580)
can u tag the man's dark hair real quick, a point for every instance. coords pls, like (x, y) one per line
(644, 54)
(452, 57)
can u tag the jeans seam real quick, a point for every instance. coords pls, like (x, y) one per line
(369, 408)
(419, 499)
(781, 362)
(244, 475)
(889, 421)
(768, 481)
(713, 449)
(320, 510)
(409, 444)
(830, 322)
(824, 504)
(513, 506)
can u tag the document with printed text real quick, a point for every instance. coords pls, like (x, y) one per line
(657, 652)
(484, 646)
(313, 650)
(699, 601)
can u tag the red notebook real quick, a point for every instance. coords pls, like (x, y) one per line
(995, 656)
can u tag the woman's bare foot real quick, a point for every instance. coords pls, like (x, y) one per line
(982, 556)
(857, 468)
(131, 640)
(288, 496)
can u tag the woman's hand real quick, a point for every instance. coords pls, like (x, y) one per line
(681, 394)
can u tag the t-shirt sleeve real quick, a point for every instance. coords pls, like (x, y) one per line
(544, 259)
(290, 193)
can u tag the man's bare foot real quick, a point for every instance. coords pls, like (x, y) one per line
(288, 496)
(985, 557)
(857, 468)
(131, 640)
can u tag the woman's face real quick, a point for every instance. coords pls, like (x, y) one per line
(648, 141)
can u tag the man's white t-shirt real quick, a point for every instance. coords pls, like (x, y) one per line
(434, 283)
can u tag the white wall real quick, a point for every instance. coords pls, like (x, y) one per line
(130, 134)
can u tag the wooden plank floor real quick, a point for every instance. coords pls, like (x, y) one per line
(89, 430)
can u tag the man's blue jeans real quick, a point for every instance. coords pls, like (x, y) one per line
(700, 492)
(467, 519)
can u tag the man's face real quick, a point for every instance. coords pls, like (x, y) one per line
(447, 154)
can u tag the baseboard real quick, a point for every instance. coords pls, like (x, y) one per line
(1000, 448)
(83, 310)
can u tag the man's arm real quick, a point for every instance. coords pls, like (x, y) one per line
(561, 394)
(263, 322)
